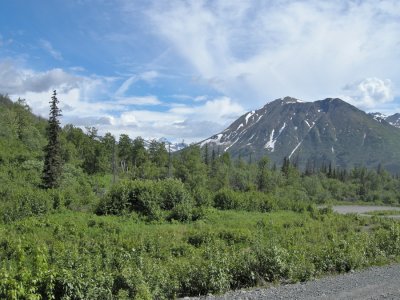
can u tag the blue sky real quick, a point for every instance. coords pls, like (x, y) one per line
(186, 69)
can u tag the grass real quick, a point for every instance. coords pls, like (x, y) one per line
(389, 212)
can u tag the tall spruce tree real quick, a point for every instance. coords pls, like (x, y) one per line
(52, 160)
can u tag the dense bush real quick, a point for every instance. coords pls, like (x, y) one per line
(149, 198)
(20, 203)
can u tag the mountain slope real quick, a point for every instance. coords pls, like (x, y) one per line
(323, 131)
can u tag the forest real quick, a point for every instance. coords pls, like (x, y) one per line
(125, 218)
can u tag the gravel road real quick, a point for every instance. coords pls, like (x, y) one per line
(372, 283)
(362, 210)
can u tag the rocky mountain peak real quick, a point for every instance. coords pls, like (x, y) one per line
(324, 131)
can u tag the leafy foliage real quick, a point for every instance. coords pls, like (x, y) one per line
(80, 255)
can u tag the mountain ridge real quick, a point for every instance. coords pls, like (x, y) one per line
(323, 131)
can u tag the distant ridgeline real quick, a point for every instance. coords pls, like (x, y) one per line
(313, 134)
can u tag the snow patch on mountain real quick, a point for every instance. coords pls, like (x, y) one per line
(295, 148)
(249, 115)
(271, 143)
(298, 145)
(216, 139)
(259, 118)
(280, 130)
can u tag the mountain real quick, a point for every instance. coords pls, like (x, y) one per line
(170, 146)
(393, 120)
(320, 132)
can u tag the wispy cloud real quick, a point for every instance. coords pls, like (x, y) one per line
(47, 46)
(146, 100)
(255, 51)
(147, 76)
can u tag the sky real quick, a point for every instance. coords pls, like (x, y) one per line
(184, 70)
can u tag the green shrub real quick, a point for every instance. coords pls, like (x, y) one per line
(149, 198)
(173, 193)
(272, 262)
(25, 202)
(226, 199)
(202, 197)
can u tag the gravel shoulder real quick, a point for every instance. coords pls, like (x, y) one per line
(372, 283)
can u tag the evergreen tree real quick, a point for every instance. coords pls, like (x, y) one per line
(52, 160)
(262, 174)
(206, 161)
(285, 166)
(213, 156)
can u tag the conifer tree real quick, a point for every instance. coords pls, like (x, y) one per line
(285, 166)
(206, 161)
(52, 160)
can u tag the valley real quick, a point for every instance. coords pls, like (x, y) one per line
(126, 219)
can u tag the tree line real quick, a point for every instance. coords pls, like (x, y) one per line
(77, 167)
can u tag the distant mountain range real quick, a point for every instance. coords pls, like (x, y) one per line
(320, 132)
(393, 120)
(173, 147)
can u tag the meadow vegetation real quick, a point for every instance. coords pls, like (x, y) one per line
(129, 220)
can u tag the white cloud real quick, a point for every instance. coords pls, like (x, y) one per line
(146, 100)
(77, 94)
(15, 80)
(192, 123)
(200, 98)
(80, 104)
(370, 92)
(253, 51)
(148, 76)
(217, 110)
(47, 46)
